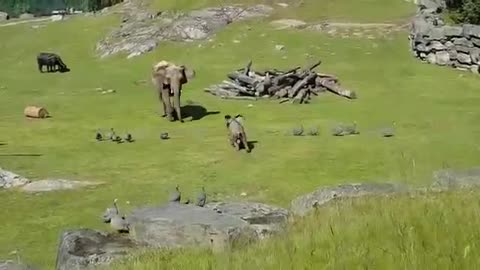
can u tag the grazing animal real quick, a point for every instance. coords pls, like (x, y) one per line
(52, 61)
(168, 79)
(202, 198)
(176, 195)
(237, 135)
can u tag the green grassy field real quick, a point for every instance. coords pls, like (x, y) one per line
(435, 110)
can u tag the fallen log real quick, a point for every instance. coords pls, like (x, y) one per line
(335, 88)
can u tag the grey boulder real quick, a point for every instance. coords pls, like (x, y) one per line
(267, 220)
(86, 249)
(303, 205)
(3, 17)
(177, 225)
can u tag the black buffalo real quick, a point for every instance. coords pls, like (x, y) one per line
(52, 61)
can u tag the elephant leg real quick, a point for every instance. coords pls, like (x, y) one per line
(163, 103)
(166, 104)
(245, 142)
(175, 85)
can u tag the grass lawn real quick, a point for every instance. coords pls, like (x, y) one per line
(435, 110)
(312, 10)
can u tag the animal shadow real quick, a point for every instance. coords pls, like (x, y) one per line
(197, 112)
(251, 144)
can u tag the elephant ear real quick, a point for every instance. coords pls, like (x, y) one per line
(187, 74)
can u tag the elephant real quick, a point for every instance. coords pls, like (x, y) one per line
(236, 132)
(168, 79)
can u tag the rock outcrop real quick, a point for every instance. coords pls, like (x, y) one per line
(450, 179)
(218, 226)
(303, 205)
(57, 184)
(436, 43)
(141, 31)
(11, 180)
(85, 249)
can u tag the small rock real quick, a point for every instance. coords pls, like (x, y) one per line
(243, 194)
(99, 89)
(236, 41)
(279, 47)
(284, 5)
(26, 16)
(111, 91)
(250, 105)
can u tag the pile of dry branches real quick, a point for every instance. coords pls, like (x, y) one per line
(295, 85)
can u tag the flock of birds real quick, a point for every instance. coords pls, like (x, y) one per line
(112, 136)
(120, 224)
(343, 130)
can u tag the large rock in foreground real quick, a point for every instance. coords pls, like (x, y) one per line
(303, 205)
(11, 180)
(448, 179)
(86, 249)
(178, 225)
(9, 265)
(265, 219)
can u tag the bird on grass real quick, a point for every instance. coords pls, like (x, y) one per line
(202, 198)
(176, 195)
(338, 130)
(129, 138)
(117, 139)
(99, 136)
(111, 135)
(164, 136)
(313, 132)
(388, 131)
(298, 131)
(351, 129)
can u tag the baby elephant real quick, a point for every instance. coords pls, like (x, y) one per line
(236, 132)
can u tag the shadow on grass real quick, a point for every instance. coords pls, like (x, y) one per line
(21, 155)
(197, 112)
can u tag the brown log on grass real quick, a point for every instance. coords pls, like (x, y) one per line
(35, 112)
(300, 84)
(300, 97)
(243, 79)
(335, 88)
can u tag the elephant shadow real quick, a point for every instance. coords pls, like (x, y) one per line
(197, 112)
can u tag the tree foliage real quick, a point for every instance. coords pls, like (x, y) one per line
(464, 11)
(45, 7)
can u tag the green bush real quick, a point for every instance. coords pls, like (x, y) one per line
(45, 7)
(464, 11)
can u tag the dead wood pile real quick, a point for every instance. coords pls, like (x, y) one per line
(295, 85)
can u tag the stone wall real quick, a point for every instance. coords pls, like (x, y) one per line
(436, 43)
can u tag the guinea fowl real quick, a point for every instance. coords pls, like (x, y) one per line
(298, 131)
(111, 135)
(388, 131)
(117, 222)
(129, 137)
(164, 136)
(99, 136)
(202, 198)
(176, 195)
